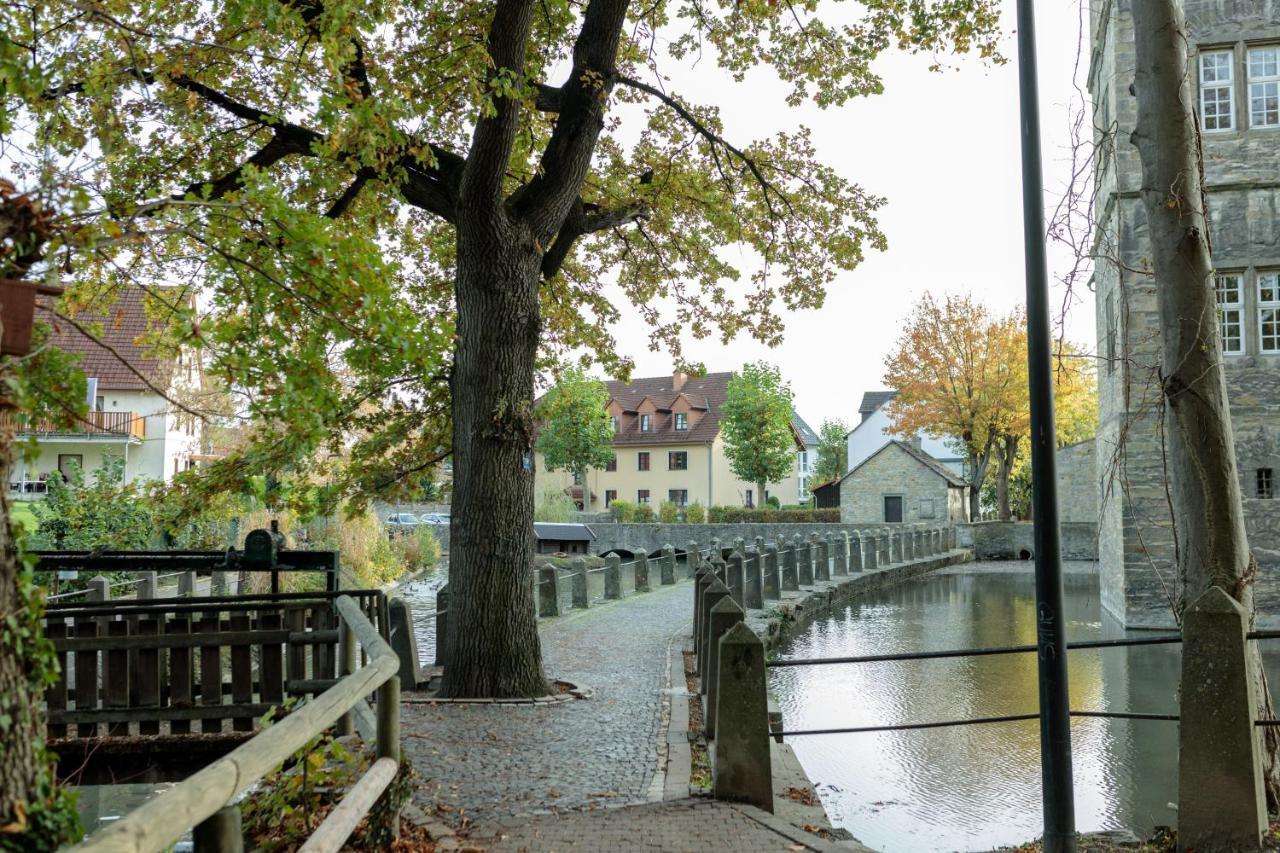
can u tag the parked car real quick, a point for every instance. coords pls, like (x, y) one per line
(434, 518)
(401, 522)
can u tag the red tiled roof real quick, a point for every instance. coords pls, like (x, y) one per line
(121, 327)
(704, 393)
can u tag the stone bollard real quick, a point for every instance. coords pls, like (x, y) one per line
(896, 538)
(926, 543)
(873, 551)
(442, 626)
(668, 565)
(701, 581)
(148, 586)
(1221, 801)
(855, 553)
(735, 579)
(715, 593)
(760, 544)
(720, 619)
(186, 585)
(742, 770)
(549, 592)
(578, 580)
(613, 576)
(937, 540)
(739, 544)
(823, 549)
(692, 559)
(790, 569)
(804, 562)
(404, 643)
(886, 556)
(753, 580)
(841, 566)
(716, 548)
(717, 565)
(908, 551)
(770, 580)
(642, 572)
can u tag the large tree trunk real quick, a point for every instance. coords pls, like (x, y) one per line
(1004, 468)
(978, 464)
(492, 627)
(1208, 515)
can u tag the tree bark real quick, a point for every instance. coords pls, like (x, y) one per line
(979, 462)
(1208, 514)
(1004, 468)
(760, 501)
(493, 636)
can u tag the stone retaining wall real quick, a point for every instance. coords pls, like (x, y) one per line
(651, 537)
(1015, 540)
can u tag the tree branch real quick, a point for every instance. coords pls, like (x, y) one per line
(579, 223)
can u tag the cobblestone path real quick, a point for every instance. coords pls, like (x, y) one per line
(491, 762)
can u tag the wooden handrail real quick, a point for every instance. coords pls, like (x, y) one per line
(162, 820)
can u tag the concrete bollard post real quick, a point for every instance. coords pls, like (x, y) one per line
(790, 567)
(642, 572)
(717, 566)
(218, 583)
(873, 551)
(668, 566)
(822, 565)
(701, 581)
(925, 542)
(908, 551)
(855, 553)
(692, 559)
(735, 579)
(187, 585)
(442, 626)
(739, 544)
(753, 580)
(549, 592)
(720, 619)
(715, 593)
(770, 580)
(716, 547)
(841, 566)
(148, 586)
(579, 584)
(886, 555)
(613, 577)
(937, 540)
(404, 643)
(759, 540)
(1221, 799)
(898, 553)
(742, 770)
(99, 589)
(804, 562)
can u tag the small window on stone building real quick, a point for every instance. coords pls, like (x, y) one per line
(1217, 90)
(642, 496)
(1264, 86)
(893, 508)
(1269, 311)
(1265, 488)
(1230, 291)
(926, 508)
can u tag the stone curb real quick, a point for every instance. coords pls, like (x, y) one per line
(576, 691)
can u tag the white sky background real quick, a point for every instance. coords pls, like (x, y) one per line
(943, 148)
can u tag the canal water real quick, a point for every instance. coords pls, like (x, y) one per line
(976, 787)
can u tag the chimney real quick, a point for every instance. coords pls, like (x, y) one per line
(917, 442)
(678, 379)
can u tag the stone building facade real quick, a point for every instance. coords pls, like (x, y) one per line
(901, 483)
(1235, 75)
(1078, 483)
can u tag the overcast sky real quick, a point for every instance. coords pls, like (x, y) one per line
(943, 149)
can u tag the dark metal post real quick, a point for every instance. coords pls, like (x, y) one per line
(1055, 720)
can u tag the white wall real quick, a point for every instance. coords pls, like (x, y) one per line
(871, 435)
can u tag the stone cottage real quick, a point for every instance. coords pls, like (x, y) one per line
(1235, 76)
(900, 483)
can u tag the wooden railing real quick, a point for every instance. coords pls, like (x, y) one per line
(204, 800)
(129, 424)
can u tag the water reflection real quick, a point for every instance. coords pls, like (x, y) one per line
(975, 787)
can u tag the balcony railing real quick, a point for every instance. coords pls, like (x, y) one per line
(126, 424)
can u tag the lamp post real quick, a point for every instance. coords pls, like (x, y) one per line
(1058, 799)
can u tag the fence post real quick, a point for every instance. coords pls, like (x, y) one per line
(804, 561)
(790, 575)
(187, 585)
(668, 567)
(908, 549)
(701, 582)
(771, 582)
(1221, 802)
(389, 719)
(734, 575)
(579, 581)
(442, 626)
(147, 585)
(692, 559)
(715, 593)
(612, 576)
(743, 770)
(347, 665)
(753, 580)
(220, 832)
(716, 549)
(822, 557)
(218, 583)
(99, 589)
(841, 566)
(642, 572)
(549, 592)
(723, 616)
(855, 553)
(899, 553)
(717, 566)
(404, 643)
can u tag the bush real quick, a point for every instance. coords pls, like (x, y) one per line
(419, 550)
(552, 504)
(365, 554)
(773, 503)
(624, 512)
(644, 514)
(668, 513)
(742, 514)
(107, 514)
(695, 513)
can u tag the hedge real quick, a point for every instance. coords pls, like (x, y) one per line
(741, 514)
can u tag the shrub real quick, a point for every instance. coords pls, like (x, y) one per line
(644, 514)
(419, 551)
(624, 512)
(668, 513)
(695, 513)
(772, 502)
(739, 515)
(715, 515)
(552, 504)
(107, 513)
(365, 554)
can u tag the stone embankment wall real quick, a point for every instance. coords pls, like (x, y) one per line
(650, 538)
(1015, 540)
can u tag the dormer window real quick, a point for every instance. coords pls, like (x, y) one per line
(614, 421)
(682, 421)
(646, 423)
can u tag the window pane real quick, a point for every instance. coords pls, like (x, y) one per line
(1264, 62)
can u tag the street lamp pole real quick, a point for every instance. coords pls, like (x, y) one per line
(1055, 720)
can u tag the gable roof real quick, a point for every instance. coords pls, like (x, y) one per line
(124, 322)
(705, 392)
(562, 531)
(808, 437)
(920, 456)
(872, 400)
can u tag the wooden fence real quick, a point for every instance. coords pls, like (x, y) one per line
(205, 801)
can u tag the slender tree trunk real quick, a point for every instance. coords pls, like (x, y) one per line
(493, 634)
(1208, 514)
(978, 464)
(760, 501)
(1004, 468)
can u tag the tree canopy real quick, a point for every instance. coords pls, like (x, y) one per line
(833, 451)
(755, 422)
(574, 430)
